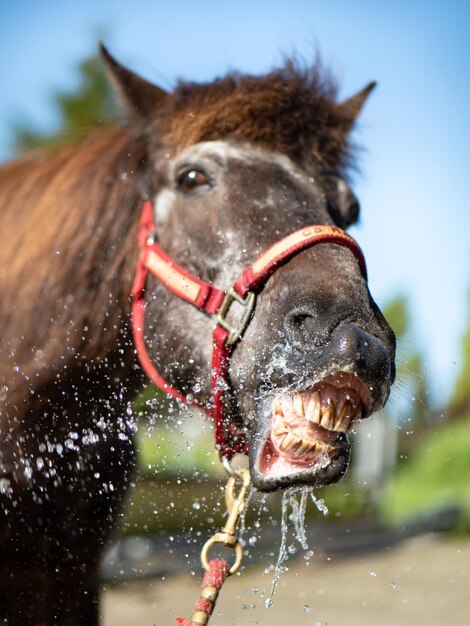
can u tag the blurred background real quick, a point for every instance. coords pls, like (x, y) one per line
(411, 466)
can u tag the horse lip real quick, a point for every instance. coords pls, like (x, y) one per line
(274, 467)
(316, 475)
(344, 380)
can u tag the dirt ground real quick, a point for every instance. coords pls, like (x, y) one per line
(425, 580)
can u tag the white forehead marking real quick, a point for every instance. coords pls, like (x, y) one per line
(221, 152)
(162, 203)
(225, 150)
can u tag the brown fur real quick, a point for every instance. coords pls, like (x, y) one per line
(68, 220)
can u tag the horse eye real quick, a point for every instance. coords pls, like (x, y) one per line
(192, 179)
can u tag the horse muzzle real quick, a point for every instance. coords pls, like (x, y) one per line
(300, 436)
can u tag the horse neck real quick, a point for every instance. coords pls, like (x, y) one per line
(68, 233)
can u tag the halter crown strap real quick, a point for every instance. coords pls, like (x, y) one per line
(216, 302)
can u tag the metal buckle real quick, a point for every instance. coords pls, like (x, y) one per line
(235, 332)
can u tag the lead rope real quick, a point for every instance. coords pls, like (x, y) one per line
(218, 570)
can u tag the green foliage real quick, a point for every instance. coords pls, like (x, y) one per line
(460, 401)
(87, 106)
(174, 504)
(171, 452)
(170, 440)
(345, 500)
(398, 315)
(437, 474)
(410, 366)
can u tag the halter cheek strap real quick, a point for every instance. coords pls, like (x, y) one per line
(217, 303)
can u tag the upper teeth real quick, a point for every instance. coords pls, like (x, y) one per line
(344, 417)
(299, 404)
(337, 417)
(313, 410)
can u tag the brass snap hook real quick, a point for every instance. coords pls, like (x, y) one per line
(235, 506)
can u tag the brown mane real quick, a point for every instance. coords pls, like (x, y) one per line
(74, 269)
(292, 110)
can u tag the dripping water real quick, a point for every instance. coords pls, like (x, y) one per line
(298, 517)
(294, 506)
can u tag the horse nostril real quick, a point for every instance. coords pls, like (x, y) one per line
(302, 327)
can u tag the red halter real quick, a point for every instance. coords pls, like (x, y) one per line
(216, 303)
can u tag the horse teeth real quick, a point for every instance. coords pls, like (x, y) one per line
(305, 446)
(299, 404)
(313, 410)
(289, 442)
(344, 417)
(355, 418)
(281, 428)
(343, 426)
(278, 408)
(327, 418)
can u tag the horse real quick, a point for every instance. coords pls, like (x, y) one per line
(228, 168)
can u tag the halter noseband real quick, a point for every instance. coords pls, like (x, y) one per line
(216, 302)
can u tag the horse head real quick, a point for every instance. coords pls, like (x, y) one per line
(235, 166)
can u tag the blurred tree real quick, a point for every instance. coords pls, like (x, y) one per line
(414, 414)
(398, 315)
(460, 400)
(90, 104)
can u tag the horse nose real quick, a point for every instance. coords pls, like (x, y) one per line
(350, 344)
(345, 344)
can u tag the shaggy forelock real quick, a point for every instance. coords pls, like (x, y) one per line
(291, 110)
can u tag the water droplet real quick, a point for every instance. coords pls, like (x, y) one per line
(3, 393)
(320, 504)
(5, 486)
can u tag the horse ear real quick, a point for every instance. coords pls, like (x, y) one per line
(139, 97)
(350, 108)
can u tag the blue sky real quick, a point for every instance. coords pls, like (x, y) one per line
(413, 188)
